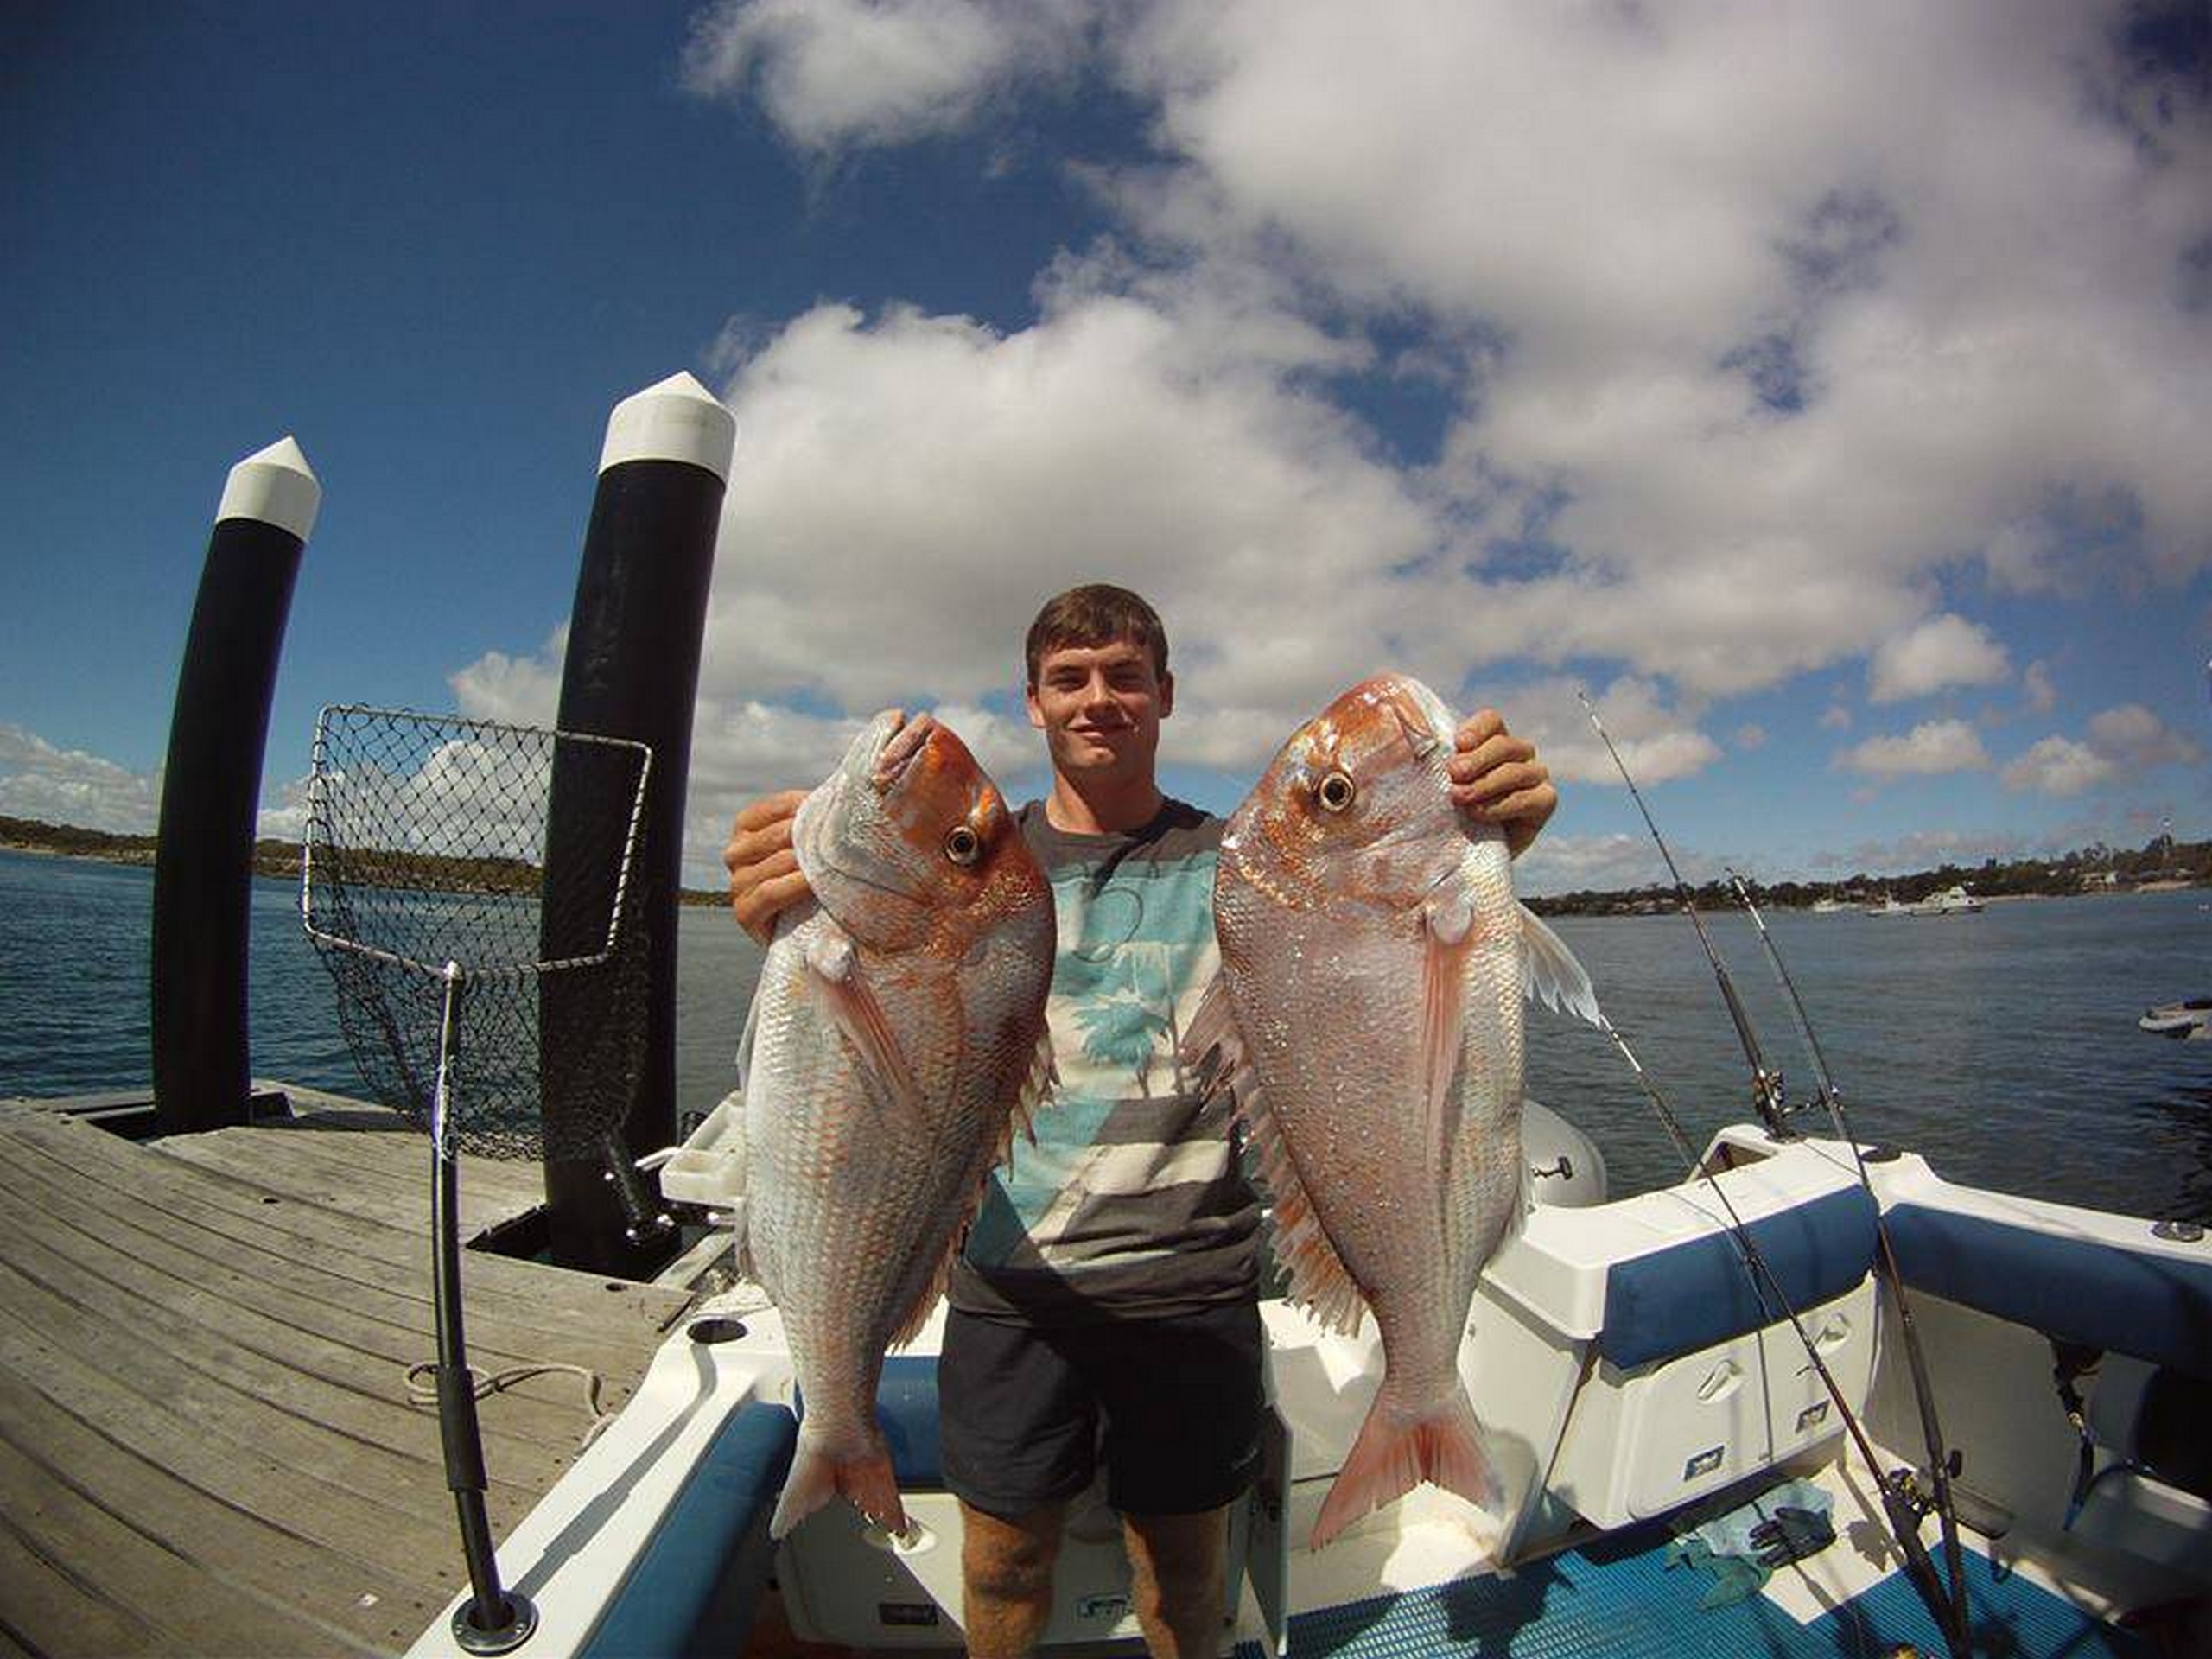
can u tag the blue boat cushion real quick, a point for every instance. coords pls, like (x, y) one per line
(1691, 1295)
(2083, 1290)
(695, 1584)
(906, 1404)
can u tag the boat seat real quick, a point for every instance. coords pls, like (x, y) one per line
(905, 1405)
(2087, 1290)
(1690, 1296)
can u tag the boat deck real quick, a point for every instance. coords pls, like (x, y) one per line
(207, 1444)
(1618, 1597)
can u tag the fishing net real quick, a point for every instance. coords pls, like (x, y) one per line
(504, 857)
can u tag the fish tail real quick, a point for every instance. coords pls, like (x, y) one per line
(818, 1475)
(1397, 1450)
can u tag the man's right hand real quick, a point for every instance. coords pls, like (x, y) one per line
(764, 874)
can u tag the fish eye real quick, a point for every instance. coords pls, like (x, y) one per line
(1336, 793)
(963, 845)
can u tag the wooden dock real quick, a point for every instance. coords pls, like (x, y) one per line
(207, 1444)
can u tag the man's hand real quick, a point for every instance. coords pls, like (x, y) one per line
(1497, 778)
(764, 873)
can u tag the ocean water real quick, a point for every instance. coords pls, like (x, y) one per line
(2003, 1046)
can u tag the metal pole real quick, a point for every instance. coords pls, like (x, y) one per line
(494, 1620)
(633, 672)
(211, 789)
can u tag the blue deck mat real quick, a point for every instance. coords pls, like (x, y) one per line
(1616, 1597)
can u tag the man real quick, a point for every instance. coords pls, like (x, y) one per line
(1105, 1303)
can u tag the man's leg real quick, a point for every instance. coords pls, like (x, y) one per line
(1006, 1578)
(1176, 1562)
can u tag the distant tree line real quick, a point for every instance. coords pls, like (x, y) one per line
(2094, 868)
(280, 859)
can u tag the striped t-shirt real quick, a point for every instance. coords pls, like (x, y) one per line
(1131, 1200)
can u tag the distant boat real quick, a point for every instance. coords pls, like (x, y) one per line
(2186, 1019)
(1952, 901)
(1828, 906)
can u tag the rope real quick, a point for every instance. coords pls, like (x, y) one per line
(422, 1395)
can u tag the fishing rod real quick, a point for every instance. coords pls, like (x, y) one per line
(1931, 1430)
(1766, 1083)
(1903, 1505)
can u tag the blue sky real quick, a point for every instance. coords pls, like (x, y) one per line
(1826, 389)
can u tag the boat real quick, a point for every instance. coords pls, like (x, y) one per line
(1953, 900)
(2186, 1019)
(1636, 1381)
(1828, 906)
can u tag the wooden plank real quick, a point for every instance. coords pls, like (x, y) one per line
(246, 1549)
(50, 1608)
(357, 1333)
(143, 1305)
(196, 1208)
(379, 1537)
(371, 1187)
(219, 1406)
(184, 1607)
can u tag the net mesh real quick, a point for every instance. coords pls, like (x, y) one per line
(508, 852)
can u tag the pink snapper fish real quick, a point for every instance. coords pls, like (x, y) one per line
(1368, 1019)
(897, 1039)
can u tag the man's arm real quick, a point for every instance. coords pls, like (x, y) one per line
(764, 873)
(1497, 778)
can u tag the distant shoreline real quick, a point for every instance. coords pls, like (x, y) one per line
(279, 859)
(2162, 865)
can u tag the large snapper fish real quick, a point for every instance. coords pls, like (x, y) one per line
(1367, 1018)
(896, 1039)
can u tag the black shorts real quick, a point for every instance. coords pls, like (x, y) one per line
(1171, 1405)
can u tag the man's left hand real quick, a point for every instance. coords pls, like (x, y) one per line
(1495, 778)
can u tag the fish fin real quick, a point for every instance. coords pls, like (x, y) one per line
(1394, 1453)
(1447, 924)
(1036, 1093)
(910, 1325)
(834, 971)
(1549, 973)
(817, 1476)
(1319, 1281)
(1212, 1050)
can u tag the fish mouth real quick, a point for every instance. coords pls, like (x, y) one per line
(879, 758)
(1420, 714)
(902, 739)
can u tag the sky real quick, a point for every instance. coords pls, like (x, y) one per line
(1828, 389)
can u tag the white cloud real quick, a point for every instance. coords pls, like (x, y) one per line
(56, 786)
(1657, 743)
(2134, 737)
(908, 490)
(1932, 748)
(2058, 766)
(1944, 650)
(837, 74)
(519, 691)
(2036, 689)
(1767, 326)
(2121, 742)
(1922, 849)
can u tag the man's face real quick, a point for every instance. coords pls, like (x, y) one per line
(1100, 709)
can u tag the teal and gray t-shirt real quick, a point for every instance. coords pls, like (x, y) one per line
(1131, 1200)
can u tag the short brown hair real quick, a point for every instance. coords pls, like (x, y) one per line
(1096, 613)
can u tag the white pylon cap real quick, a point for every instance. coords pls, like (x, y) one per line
(678, 420)
(276, 486)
